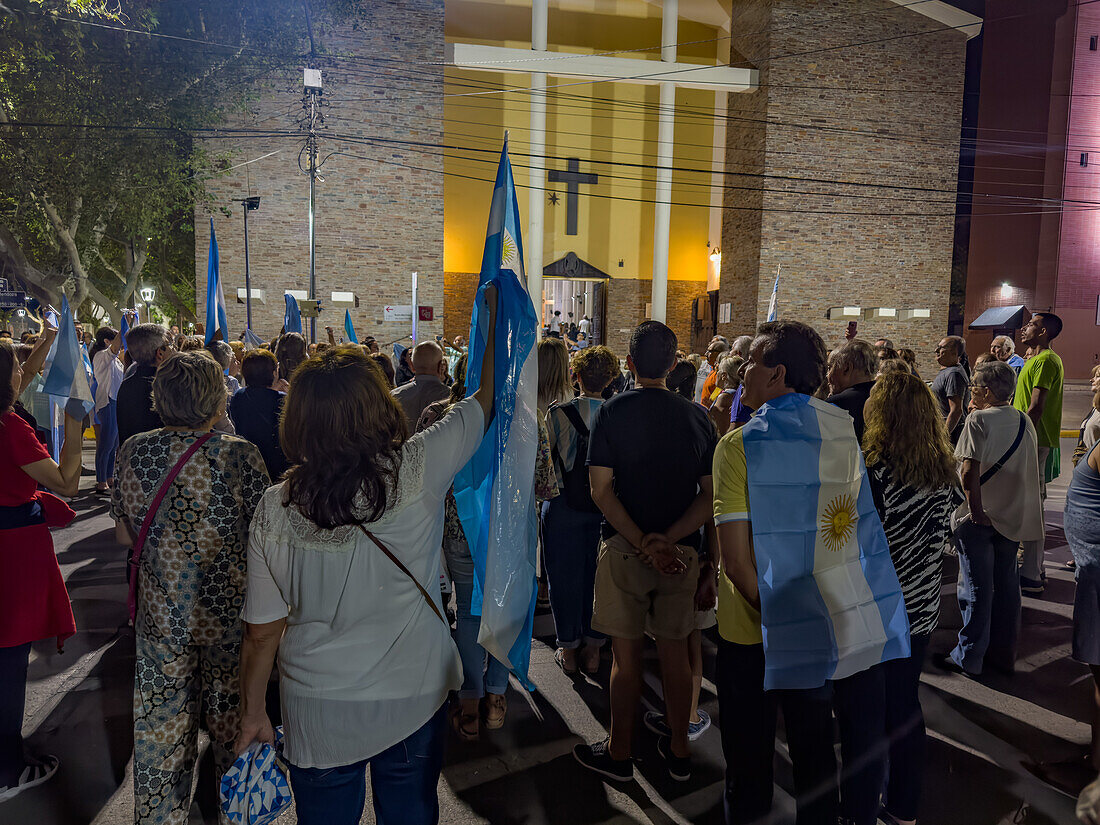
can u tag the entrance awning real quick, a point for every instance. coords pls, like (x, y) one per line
(575, 269)
(1001, 318)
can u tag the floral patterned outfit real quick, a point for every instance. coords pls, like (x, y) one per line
(191, 586)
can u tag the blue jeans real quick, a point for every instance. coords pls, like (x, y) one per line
(571, 543)
(477, 677)
(106, 442)
(403, 780)
(989, 597)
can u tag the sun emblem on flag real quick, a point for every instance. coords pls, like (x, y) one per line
(507, 251)
(838, 522)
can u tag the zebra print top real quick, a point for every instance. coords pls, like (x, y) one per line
(917, 523)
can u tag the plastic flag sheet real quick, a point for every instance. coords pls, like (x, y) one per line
(255, 790)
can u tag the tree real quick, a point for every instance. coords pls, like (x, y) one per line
(101, 119)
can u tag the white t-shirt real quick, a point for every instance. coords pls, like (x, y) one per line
(555, 323)
(108, 375)
(364, 662)
(584, 326)
(1011, 496)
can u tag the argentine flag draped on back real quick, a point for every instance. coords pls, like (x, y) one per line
(495, 491)
(830, 602)
(216, 320)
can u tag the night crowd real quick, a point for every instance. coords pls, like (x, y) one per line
(304, 477)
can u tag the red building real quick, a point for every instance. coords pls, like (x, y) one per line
(1035, 230)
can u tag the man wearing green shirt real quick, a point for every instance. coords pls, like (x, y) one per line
(1039, 396)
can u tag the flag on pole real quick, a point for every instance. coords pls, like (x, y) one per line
(252, 340)
(830, 602)
(773, 305)
(123, 330)
(349, 329)
(292, 318)
(216, 320)
(67, 377)
(495, 490)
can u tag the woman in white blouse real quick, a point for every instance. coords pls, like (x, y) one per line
(344, 557)
(109, 373)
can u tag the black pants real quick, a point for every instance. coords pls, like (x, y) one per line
(13, 696)
(860, 704)
(748, 720)
(905, 731)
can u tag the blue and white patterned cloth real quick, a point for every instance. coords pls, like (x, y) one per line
(255, 790)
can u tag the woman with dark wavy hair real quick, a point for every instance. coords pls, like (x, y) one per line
(344, 559)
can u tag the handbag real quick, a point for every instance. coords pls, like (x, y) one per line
(150, 514)
(405, 570)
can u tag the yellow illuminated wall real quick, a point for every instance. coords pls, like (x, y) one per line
(595, 122)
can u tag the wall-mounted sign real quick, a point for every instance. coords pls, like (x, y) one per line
(401, 314)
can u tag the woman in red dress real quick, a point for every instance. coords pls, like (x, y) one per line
(34, 604)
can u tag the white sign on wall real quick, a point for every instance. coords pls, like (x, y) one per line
(725, 313)
(398, 314)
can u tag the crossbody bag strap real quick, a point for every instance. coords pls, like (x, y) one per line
(992, 471)
(150, 515)
(405, 570)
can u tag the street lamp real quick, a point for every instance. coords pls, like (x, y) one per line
(249, 204)
(147, 295)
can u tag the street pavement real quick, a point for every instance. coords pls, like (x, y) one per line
(982, 733)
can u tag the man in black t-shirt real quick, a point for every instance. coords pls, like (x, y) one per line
(851, 376)
(649, 458)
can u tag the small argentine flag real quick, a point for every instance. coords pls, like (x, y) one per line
(292, 317)
(67, 377)
(216, 320)
(495, 491)
(349, 328)
(773, 304)
(830, 602)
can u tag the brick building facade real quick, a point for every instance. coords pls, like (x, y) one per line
(379, 211)
(842, 167)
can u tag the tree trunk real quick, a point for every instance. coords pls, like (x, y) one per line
(43, 287)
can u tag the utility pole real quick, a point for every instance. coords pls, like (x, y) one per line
(312, 102)
(249, 204)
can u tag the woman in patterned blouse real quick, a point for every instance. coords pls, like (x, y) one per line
(190, 583)
(915, 485)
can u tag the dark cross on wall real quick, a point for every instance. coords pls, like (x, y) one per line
(572, 177)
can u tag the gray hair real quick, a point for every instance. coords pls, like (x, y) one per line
(998, 378)
(222, 352)
(189, 389)
(144, 340)
(729, 367)
(1006, 342)
(857, 355)
(741, 345)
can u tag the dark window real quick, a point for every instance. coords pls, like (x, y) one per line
(1084, 158)
(1092, 43)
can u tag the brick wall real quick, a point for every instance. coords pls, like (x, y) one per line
(377, 220)
(818, 138)
(626, 302)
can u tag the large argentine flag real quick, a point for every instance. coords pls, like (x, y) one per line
(830, 601)
(216, 320)
(67, 377)
(495, 491)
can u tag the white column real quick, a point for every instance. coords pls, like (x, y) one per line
(537, 196)
(666, 122)
(718, 163)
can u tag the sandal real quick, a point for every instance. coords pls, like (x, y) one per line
(35, 773)
(559, 657)
(590, 660)
(496, 706)
(465, 725)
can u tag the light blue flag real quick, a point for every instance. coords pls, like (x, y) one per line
(830, 602)
(67, 377)
(495, 490)
(292, 318)
(123, 330)
(349, 329)
(773, 305)
(216, 320)
(252, 340)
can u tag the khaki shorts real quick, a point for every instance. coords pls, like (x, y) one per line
(632, 598)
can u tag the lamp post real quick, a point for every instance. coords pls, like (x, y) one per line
(249, 204)
(147, 295)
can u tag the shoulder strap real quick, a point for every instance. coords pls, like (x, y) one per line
(150, 515)
(574, 416)
(992, 471)
(405, 570)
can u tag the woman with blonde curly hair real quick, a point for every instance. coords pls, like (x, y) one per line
(915, 484)
(571, 521)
